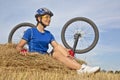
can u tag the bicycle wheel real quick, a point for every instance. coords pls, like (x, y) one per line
(88, 34)
(18, 31)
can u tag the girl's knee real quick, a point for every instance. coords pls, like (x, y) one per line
(54, 55)
(57, 55)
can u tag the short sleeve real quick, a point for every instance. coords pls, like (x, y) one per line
(27, 35)
(52, 38)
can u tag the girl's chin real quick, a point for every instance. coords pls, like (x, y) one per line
(47, 24)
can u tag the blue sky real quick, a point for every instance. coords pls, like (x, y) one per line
(105, 14)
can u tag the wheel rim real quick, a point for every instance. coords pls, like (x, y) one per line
(18, 31)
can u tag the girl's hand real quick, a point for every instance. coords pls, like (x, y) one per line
(24, 52)
(71, 53)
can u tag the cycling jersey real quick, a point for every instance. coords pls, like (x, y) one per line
(38, 41)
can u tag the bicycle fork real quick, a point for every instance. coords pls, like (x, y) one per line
(76, 38)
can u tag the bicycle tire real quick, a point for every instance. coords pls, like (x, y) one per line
(93, 25)
(25, 24)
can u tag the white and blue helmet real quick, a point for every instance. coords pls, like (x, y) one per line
(43, 11)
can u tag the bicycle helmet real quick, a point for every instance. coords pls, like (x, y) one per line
(43, 11)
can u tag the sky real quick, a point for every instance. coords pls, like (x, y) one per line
(104, 13)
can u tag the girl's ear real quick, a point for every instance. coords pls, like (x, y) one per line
(39, 18)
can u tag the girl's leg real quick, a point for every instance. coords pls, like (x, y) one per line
(62, 50)
(71, 63)
(60, 53)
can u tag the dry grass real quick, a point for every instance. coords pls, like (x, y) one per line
(14, 66)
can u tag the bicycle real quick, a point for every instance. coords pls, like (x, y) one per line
(79, 34)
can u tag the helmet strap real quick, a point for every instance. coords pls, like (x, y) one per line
(41, 23)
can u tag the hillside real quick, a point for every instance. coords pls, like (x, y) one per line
(9, 57)
(14, 66)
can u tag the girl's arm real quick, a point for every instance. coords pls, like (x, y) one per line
(20, 46)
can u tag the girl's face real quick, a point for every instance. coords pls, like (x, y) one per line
(46, 19)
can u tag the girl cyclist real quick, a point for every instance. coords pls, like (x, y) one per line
(39, 38)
